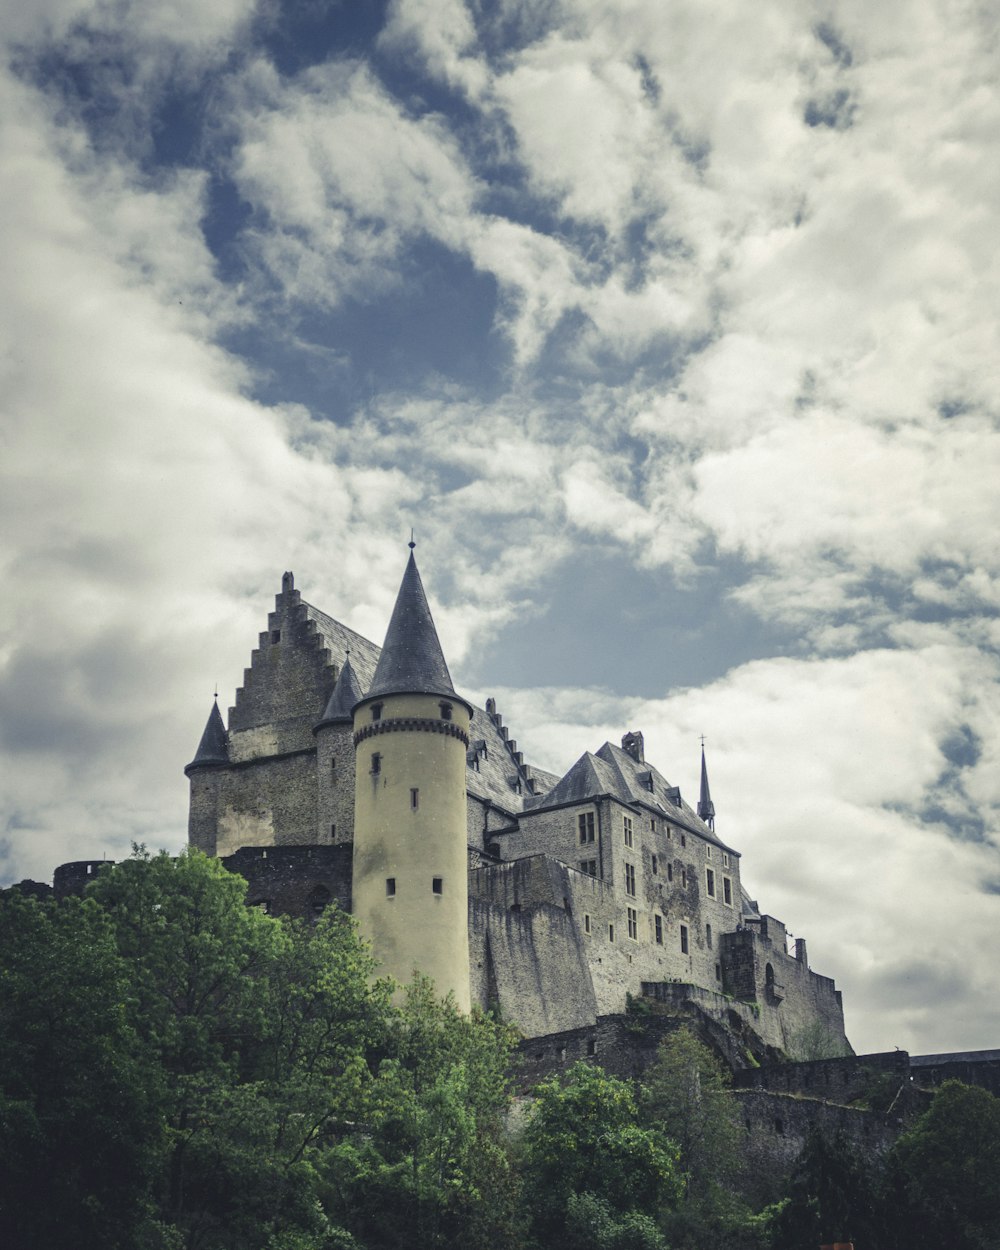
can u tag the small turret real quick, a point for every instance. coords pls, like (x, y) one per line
(213, 749)
(335, 758)
(706, 808)
(344, 697)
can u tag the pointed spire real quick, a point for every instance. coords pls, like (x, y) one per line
(345, 695)
(412, 660)
(706, 808)
(214, 745)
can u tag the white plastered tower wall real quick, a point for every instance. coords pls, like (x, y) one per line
(410, 887)
(410, 858)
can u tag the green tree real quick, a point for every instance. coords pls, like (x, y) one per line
(583, 1137)
(79, 1130)
(833, 1196)
(260, 1028)
(945, 1173)
(686, 1093)
(430, 1165)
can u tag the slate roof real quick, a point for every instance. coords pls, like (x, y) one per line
(494, 774)
(614, 772)
(706, 808)
(411, 660)
(345, 694)
(214, 745)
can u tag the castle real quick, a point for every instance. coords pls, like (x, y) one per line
(355, 773)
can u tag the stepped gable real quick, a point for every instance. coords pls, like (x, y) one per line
(497, 772)
(412, 661)
(214, 745)
(339, 640)
(346, 694)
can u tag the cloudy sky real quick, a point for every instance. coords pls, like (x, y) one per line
(672, 328)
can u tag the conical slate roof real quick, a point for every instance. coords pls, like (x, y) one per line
(706, 808)
(345, 695)
(412, 660)
(213, 747)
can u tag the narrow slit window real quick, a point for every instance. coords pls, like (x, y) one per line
(414, 799)
(708, 936)
(437, 885)
(655, 863)
(333, 832)
(390, 887)
(684, 939)
(586, 923)
(376, 764)
(611, 932)
(670, 872)
(658, 926)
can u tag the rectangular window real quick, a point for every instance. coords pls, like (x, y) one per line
(684, 840)
(376, 711)
(684, 939)
(670, 834)
(684, 878)
(633, 923)
(445, 711)
(586, 923)
(658, 926)
(589, 866)
(414, 800)
(725, 860)
(710, 882)
(670, 872)
(585, 823)
(708, 936)
(630, 879)
(654, 865)
(628, 829)
(708, 851)
(437, 885)
(727, 891)
(652, 824)
(390, 887)
(611, 932)
(376, 764)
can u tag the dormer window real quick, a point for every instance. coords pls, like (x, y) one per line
(376, 711)
(446, 710)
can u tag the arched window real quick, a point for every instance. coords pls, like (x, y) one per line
(319, 899)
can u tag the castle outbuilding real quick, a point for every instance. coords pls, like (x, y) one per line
(357, 774)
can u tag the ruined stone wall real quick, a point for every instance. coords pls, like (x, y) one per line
(294, 880)
(800, 1011)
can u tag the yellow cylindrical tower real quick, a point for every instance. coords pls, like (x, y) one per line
(411, 734)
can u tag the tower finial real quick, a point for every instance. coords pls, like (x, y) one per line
(411, 544)
(706, 808)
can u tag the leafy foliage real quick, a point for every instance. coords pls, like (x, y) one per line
(584, 1137)
(945, 1172)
